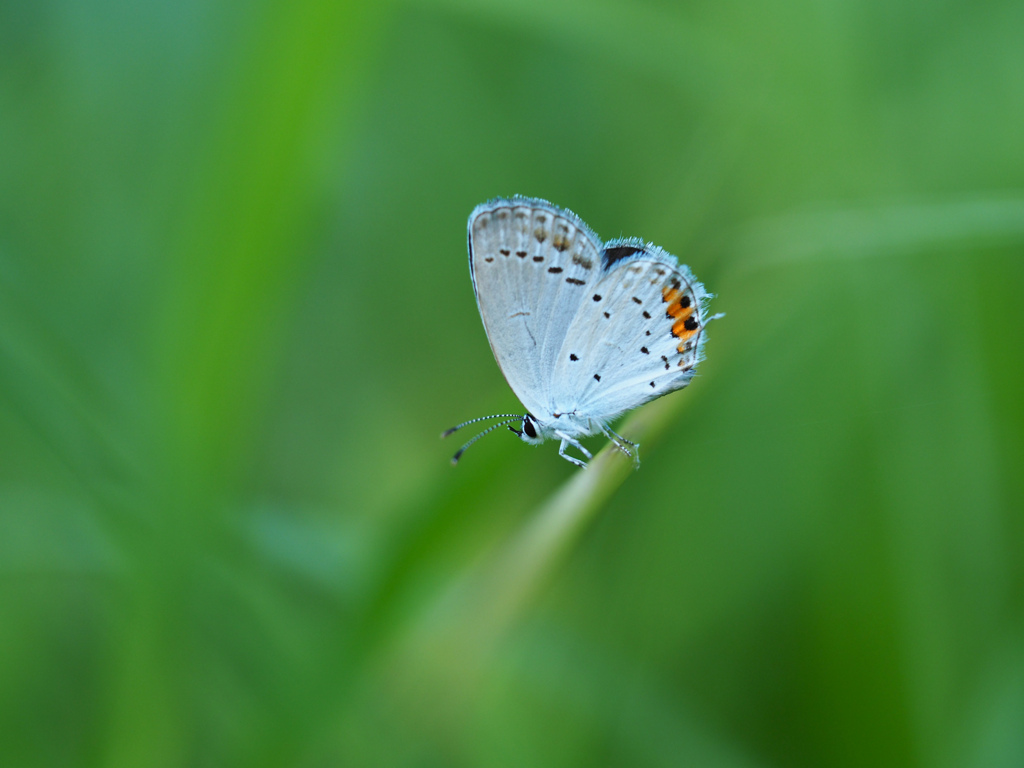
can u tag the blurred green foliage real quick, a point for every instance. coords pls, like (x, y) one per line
(235, 314)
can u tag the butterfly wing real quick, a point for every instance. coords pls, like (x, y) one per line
(532, 265)
(639, 335)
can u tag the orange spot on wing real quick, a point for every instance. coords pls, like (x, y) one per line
(670, 294)
(679, 312)
(680, 329)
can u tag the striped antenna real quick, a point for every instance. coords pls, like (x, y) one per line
(462, 450)
(457, 427)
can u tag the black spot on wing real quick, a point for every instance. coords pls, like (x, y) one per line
(611, 255)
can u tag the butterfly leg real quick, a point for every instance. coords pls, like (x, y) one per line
(618, 440)
(566, 440)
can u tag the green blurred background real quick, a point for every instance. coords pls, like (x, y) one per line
(235, 314)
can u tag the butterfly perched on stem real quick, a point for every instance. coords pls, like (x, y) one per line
(582, 330)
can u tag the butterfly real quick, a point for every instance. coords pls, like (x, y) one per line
(583, 331)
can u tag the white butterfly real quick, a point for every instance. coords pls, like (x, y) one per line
(582, 331)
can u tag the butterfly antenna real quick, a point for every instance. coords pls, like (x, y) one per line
(462, 450)
(457, 427)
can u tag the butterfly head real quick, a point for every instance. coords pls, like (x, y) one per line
(531, 431)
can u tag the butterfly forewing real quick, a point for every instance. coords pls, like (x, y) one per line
(531, 265)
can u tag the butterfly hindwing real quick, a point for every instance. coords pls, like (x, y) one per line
(639, 335)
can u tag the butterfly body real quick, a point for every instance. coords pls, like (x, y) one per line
(583, 331)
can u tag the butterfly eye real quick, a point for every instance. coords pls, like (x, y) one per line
(528, 427)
